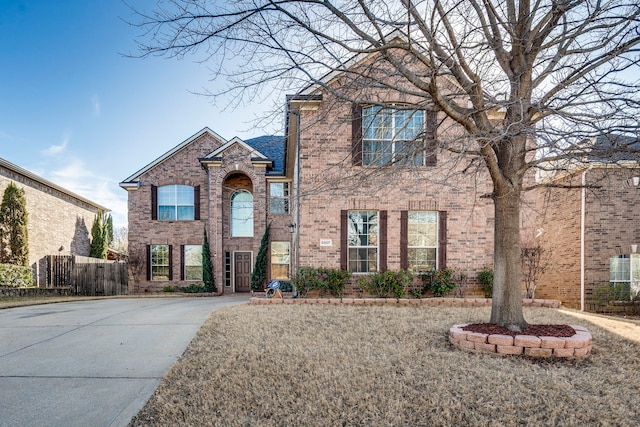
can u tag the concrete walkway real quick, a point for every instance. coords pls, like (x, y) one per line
(92, 363)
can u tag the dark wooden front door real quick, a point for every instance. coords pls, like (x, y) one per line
(242, 271)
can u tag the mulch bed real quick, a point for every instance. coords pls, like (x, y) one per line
(559, 331)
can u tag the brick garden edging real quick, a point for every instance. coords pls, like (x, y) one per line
(576, 346)
(429, 302)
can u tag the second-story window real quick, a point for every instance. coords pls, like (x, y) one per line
(176, 202)
(242, 214)
(279, 193)
(392, 135)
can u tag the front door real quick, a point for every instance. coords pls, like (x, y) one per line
(242, 271)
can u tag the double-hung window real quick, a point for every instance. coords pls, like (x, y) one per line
(280, 260)
(363, 240)
(279, 197)
(422, 240)
(176, 202)
(392, 135)
(160, 260)
(192, 262)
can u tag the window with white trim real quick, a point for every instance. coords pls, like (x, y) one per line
(422, 240)
(362, 254)
(192, 262)
(176, 202)
(280, 260)
(159, 262)
(279, 197)
(392, 135)
(242, 214)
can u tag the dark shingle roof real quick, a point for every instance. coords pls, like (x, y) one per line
(271, 146)
(615, 148)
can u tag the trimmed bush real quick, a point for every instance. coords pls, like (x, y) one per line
(387, 283)
(15, 276)
(485, 277)
(441, 282)
(326, 280)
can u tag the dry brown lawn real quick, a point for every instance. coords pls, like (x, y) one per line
(313, 365)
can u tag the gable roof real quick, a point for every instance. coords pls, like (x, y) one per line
(264, 149)
(273, 147)
(33, 177)
(132, 181)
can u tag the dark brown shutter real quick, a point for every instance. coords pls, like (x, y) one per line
(344, 237)
(356, 134)
(181, 262)
(431, 138)
(404, 239)
(196, 202)
(382, 245)
(148, 262)
(442, 239)
(154, 202)
(170, 262)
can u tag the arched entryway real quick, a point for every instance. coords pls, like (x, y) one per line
(238, 231)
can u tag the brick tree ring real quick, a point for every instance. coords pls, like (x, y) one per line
(574, 346)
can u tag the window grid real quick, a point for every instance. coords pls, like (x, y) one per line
(422, 240)
(280, 260)
(193, 262)
(362, 254)
(176, 202)
(279, 197)
(160, 262)
(389, 136)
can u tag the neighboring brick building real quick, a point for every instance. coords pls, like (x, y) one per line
(342, 189)
(59, 221)
(582, 228)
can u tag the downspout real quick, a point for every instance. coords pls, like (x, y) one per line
(583, 215)
(297, 229)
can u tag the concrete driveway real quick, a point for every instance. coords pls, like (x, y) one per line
(92, 363)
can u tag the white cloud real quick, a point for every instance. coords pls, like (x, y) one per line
(76, 177)
(54, 150)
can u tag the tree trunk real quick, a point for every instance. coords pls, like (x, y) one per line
(506, 309)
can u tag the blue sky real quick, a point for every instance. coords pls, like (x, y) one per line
(77, 112)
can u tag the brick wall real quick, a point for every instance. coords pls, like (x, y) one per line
(217, 183)
(58, 224)
(330, 183)
(612, 225)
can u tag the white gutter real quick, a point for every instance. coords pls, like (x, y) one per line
(583, 214)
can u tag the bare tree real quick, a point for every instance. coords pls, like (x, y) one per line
(535, 261)
(510, 73)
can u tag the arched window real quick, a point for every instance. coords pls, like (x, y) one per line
(242, 214)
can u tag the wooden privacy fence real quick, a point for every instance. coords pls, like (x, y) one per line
(87, 276)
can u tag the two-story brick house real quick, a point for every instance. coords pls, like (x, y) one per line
(59, 221)
(360, 181)
(589, 221)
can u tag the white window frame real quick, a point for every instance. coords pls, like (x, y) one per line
(277, 259)
(173, 201)
(377, 157)
(154, 264)
(434, 246)
(355, 241)
(277, 201)
(247, 230)
(186, 263)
